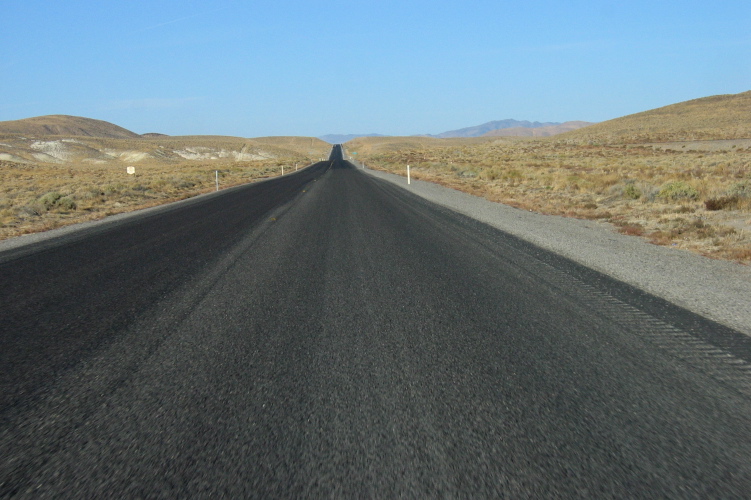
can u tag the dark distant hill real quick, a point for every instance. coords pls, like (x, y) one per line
(342, 138)
(480, 130)
(64, 125)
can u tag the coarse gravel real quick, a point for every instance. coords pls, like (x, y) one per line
(718, 290)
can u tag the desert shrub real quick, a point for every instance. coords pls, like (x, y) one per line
(513, 174)
(66, 203)
(632, 229)
(490, 174)
(741, 254)
(50, 199)
(740, 189)
(88, 193)
(183, 183)
(721, 203)
(31, 210)
(677, 190)
(648, 192)
(631, 191)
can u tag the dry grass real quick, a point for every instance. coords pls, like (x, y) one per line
(64, 125)
(90, 181)
(697, 200)
(162, 150)
(709, 118)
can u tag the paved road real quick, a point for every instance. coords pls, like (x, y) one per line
(330, 334)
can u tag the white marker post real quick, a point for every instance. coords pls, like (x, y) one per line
(217, 180)
(282, 169)
(409, 180)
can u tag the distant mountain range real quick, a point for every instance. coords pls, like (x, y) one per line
(342, 138)
(507, 127)
(485, 128)
(76, 126)
(542, 131)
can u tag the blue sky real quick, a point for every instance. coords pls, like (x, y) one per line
(287, 67)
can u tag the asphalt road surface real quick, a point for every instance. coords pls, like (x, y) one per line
(328, 334)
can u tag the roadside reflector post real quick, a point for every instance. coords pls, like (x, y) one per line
(409, 180)
(217, 180)
(282, 169)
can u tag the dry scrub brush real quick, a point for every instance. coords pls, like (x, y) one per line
(695, 200)
(37, 197)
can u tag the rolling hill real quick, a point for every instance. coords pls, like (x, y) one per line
(717, 117)
(59, 139)
(157, 150)
(64, 125)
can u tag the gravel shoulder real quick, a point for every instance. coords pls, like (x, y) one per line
(717, 290)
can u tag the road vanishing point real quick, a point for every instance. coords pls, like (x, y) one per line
(330, 334)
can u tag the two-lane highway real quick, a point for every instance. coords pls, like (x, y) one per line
(330, 334)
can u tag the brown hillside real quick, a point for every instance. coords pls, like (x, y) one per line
(547, 131)
(710, 118)
(157, 150)
(64, 125)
